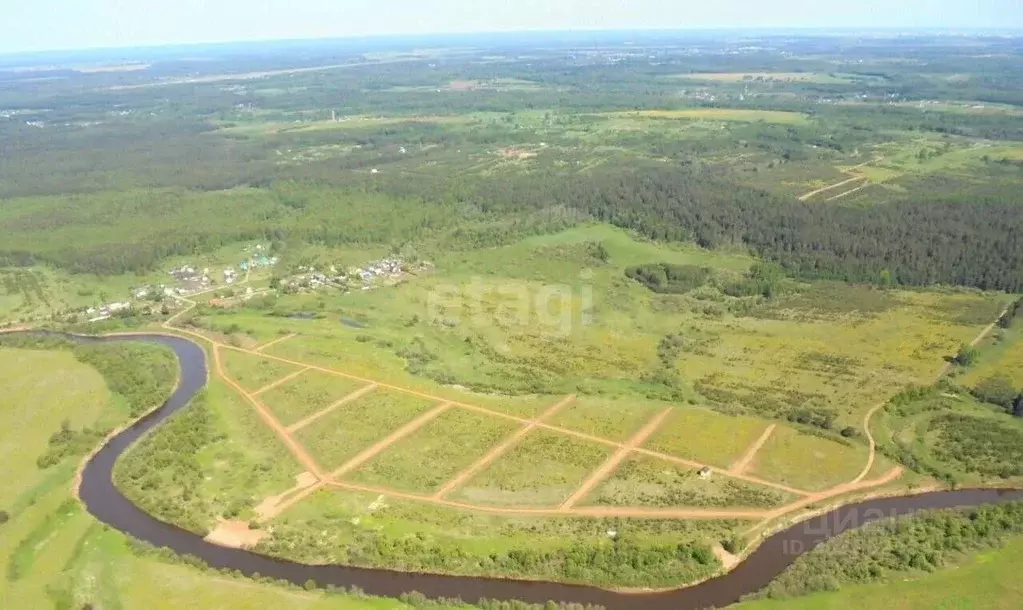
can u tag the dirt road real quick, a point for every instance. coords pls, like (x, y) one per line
(499, 450)
(740, 466)
(612, 462)
(389, 440)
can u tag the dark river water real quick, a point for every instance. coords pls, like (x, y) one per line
(107, 504)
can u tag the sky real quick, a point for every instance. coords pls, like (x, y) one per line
(37, 25)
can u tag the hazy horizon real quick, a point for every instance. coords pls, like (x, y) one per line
(72, 25)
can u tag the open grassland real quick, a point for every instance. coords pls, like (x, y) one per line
(365, 529)
(343, 433)
(307, 394)
(432, 455)
(483, 327)
(807, 462)
(705, 436)
(60, 388)
(253, 372)
(541, 470)
(651, 482)
(613, 419)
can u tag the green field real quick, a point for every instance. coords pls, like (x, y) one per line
(648, 481)
(253, 372)
(34, 407)
(309, 393)
(345, 432)
(807, 462)
(706, 436)
(430, 456)
(541, 470)
(615, 420)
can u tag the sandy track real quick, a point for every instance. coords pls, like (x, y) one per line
(375, 449)
(276, 341)
(294, 446)
(849, 192)
(279, 382)
(538, 423)
(870, 414)
(333, 407)
(616, 458)
(499, 450)
(740, 466)
(830, 187)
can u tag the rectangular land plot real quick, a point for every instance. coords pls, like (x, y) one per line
(807, 462)
(541, 470)
(705, 436)
(435, 453)
(307, 394)
(612, 419)
(342, 434)
(651, 482)
(253, 372)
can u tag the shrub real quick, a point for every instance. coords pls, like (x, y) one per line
(850, 432)
(4, 517)
(996, 390)
(310, 585)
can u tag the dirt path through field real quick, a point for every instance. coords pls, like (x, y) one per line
(279, 382)
(830, 187)
(849, 192)
(594, 511)
(331, 408)
(740, 466)
(499, 450)
(389, 440)
(944, 371)
(276, 341)
(294, 446)
(616, 458)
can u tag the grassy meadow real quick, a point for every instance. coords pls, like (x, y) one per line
(426, 459)
(307, 394)
(651, 482)
(542, 470)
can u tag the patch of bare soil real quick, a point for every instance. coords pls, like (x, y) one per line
(235, 534)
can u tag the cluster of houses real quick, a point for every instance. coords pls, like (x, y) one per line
(191, 279)
(371, 275)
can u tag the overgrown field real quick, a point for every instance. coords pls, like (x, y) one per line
(369, 530)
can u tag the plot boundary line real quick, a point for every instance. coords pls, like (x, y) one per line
(615, 459)
(743, 462)
(279, 382)
(499, 450)
(351, 396)
(301, 454)
(378, 447)
(275, 342)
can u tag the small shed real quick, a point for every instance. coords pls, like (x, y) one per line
(705, 472)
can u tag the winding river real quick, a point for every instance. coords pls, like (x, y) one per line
(106, 503)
